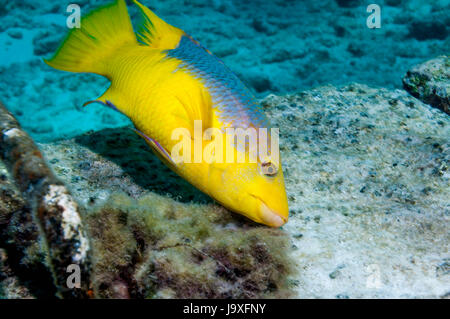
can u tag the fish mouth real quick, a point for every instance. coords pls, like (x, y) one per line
(268, 216)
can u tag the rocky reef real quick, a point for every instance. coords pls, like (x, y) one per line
(430, 82)
(367, 176)
(155, 247)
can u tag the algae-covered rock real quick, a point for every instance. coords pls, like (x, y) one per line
(156, 247)
(430, 82)
(46, 222)
(23, 268)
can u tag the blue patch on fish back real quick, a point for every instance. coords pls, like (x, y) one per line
(236, 104)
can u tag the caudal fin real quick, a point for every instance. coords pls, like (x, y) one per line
(88, 48)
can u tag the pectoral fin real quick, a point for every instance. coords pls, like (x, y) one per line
(107, 103)
(158, 149)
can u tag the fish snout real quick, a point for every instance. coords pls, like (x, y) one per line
(270, 217)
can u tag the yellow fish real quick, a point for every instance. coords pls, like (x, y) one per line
(164, 81)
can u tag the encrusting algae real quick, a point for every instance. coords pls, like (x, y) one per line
(155, 247)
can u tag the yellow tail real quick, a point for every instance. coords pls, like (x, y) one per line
(102, 32)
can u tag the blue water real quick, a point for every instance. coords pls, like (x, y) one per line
(279, 46)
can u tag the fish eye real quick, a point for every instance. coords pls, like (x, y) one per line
(269, 169)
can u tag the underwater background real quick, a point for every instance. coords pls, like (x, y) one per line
(365, 142)
(277, 47)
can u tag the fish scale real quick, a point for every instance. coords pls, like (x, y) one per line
(236, 105)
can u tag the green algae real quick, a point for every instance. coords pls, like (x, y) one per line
(155, 247)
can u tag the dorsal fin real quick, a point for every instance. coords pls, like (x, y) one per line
(155, 32)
